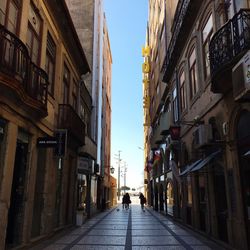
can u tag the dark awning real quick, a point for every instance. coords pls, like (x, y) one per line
(205, 161)
(190, 167)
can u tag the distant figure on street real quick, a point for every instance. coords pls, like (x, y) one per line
(142, 201)
(126, 201)
(123, 201)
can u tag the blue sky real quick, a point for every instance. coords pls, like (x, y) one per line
(126, 20)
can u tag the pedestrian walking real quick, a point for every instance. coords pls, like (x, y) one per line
(123, 201)
(142, 201)
(126, 200)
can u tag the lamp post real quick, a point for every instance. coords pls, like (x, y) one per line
(123, 174)
(119, 173)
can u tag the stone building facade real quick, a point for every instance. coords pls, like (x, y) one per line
(206, 107)
(41, 129)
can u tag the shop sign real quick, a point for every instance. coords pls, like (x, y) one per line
(146, 96)
(84, 165)
(47, 142)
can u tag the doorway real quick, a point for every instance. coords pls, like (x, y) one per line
(243, 137)
(161, 196)
(220, 202)
(16, 210)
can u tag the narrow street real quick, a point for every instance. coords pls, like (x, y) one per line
(129, 229)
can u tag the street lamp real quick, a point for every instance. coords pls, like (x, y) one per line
(112, 170)
(118, 158)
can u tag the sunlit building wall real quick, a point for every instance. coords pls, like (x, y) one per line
(41, 128)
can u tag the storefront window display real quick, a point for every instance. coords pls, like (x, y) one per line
(170, 198)
(82, 190)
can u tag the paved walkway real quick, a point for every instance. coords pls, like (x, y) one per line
(119, 229)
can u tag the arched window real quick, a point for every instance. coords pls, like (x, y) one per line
(193, 72)
(183, 92)
(207, 32)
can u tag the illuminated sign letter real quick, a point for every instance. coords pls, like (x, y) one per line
(146, 84)
(145, 51)
(146, 102)
(145, 67)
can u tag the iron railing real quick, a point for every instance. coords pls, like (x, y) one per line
(15, 63)
(70, 120)
(230, 42)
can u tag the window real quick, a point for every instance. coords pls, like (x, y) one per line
(193, 73)
(66, 84)
(158, 89)
(50, 63)
(33, 34)
(207, 33)
(183, 91)
(175, 105)
(9, 14)
(74, 95)
(162, 32)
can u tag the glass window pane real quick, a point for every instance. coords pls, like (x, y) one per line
(2, 11)
(192, 58)
(35, 50)
(12, 18)
(208, 28)
(29, 40)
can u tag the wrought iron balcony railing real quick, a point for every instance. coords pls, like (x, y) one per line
(21, 75)
(185, 15)
(227, 45)
(70, 120)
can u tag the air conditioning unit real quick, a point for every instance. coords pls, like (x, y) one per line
(202, 135)
(241, 78)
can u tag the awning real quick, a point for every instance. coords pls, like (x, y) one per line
(190, 167)
(205, 161)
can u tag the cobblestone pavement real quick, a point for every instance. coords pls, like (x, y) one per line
(120, 229)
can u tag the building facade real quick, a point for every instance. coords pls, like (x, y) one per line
(41, 66)
(106, 117)
(90, 23)
(206, 107)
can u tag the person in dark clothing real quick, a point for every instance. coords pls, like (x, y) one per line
(126, 200)
(142, 201)
(123, 201)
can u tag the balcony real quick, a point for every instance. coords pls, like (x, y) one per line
(227, 46)
(70, 120)
(20, 76)
(185, 16)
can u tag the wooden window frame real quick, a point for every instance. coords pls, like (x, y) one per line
(18, 4)
(205, 44)
(193, 73)
(38, 36)
(183, 96)
(66, 82)
(52, 60)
